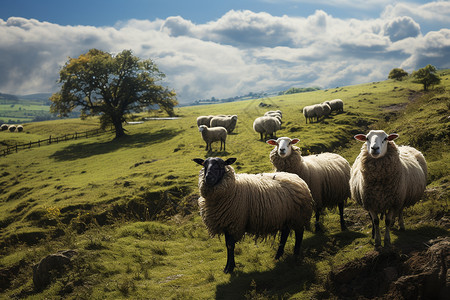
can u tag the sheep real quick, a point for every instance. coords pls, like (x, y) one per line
(336, 105)
(215, 134)
(326, 109)
(321, 110)
(4, 127)
(274, 112)
(275, 115)
(204, 120)
(266, 125)
(258, 204)
(228, 122)
(386, 178)
(12, 128)
(309, 113)
(19, 128)
(327, 174)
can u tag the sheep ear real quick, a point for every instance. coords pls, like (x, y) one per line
(230, 161)
(272, 142)
(361, 137)
(392, 136)
(295, 141)
(199, 161)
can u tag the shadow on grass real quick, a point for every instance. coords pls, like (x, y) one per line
(416, 239)
(287, 278)
(83, 150)
(290, 275)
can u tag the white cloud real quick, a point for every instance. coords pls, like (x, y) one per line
(240, 52)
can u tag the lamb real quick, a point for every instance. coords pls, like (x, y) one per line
(327, 174)
(12, 128)
(266, 125)
(4, 127)
(228, 122)
(309, 113)
(215, 134)
(336, 105)
(204, 120)
(258, 204)
(386, 178)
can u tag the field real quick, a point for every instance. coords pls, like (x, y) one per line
(128, 206)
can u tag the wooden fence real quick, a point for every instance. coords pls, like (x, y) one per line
(50, 140)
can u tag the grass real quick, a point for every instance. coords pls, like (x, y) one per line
(128, 206)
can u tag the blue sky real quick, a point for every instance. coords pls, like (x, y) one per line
(226, 48)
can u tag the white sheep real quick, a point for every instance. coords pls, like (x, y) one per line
(257, 204)
(327, 174)
(326, 109)
(336, 105)
(211, 135)
(266, 125)
(274, 114)
(204, 120)
(386, 178)
(228, 122)
(12, 128)
(309, 113)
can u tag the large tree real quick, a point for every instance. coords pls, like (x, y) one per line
(427, 76)
(111, 86)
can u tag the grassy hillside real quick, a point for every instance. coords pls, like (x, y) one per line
(128, 206)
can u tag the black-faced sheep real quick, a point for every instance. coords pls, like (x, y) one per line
(386, 178)
(228, 122)
(4, 127)
(19, 128)
(211, 135)
(327, 174)
(12, 128)
(257, 204)
(266, 126)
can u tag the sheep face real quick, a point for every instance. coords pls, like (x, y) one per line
(214, 169)
(284, 145)
(376, 142)
(202, 127)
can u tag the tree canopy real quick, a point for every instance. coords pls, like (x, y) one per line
(397, 74)
(111, 86)
(427, 76)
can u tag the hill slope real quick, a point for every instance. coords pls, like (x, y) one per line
(128, 206)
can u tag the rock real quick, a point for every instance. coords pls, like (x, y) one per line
(50, 266)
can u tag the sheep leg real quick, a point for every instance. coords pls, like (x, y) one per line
(298, 241)
(387, 237)
(230, 242)
(283, 239)
(341, 215)
(318, 228)
(400, 221)
(376, 228)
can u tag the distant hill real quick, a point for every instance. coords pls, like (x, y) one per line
(39, 97)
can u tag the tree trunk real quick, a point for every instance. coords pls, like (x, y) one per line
(119, 128)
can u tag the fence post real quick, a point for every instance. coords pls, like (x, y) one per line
(16, 147)
(49, 140)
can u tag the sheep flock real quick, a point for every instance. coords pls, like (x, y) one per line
(384, 180)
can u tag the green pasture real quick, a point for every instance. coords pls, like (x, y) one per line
(128, 206)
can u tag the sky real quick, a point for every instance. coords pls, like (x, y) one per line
(224, 49)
